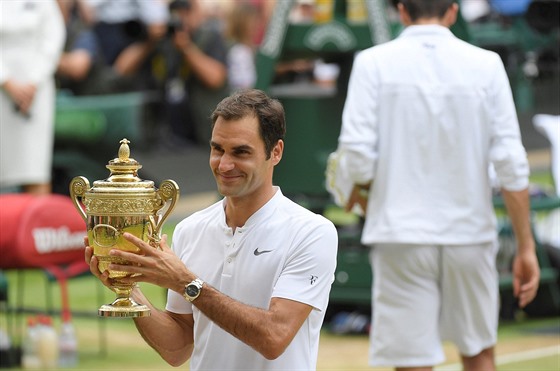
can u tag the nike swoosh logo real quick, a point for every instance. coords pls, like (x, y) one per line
(257, 252)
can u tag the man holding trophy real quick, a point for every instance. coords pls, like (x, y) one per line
(249, 277)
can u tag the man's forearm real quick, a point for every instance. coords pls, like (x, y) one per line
(208, 70)
(518, 208)
(526, 270)
(268, 331)
(130, 60)
(167, 335)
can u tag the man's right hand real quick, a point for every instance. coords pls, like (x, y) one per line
(526, 274)
(358, 196)
(93, 263)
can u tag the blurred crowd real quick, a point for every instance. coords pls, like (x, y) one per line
(190, 53)
(185, 54)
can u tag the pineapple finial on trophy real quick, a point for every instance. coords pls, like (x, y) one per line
(124, 150)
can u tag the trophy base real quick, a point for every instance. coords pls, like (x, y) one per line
(123, 308)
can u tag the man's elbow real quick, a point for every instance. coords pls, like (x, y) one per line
(271, 354)
(177, 358)
(217, 81)
(75, 65)
(273, 348)
(174, 362)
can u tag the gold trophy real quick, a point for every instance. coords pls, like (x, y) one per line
(122, 203)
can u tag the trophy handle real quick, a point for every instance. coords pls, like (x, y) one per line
(168, 190)
(78, 187)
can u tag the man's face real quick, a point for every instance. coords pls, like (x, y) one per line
(238, 158)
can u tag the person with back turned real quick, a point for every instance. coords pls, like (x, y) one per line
(425, 116)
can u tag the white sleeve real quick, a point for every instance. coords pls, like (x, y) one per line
(309, 272)
(176, 303)
(359, 133)
(507, 153)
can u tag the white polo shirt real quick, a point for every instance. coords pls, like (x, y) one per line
(283, 250)
(424, 117)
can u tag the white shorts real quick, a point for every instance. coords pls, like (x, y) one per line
(423, 295)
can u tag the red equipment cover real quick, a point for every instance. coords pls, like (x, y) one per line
(39, 231)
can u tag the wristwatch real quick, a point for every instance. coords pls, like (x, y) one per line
(192, 290)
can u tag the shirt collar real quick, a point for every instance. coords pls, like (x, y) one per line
(426, 30)
(260, 214)
(265, 210)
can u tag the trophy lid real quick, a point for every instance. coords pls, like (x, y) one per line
(124, 174)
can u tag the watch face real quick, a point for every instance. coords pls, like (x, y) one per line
(192, 290)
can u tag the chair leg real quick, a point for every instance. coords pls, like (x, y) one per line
(102, 324)
(48, 296)
(19, 304)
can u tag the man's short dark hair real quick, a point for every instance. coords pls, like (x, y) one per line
(179, 4)
(418, 9)
(254, 102)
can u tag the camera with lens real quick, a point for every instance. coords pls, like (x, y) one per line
(135, 30)
(175, 22)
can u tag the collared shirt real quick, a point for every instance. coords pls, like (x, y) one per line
(283, 250)
(425, 116)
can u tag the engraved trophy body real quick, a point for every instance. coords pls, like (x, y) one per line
(122, 203)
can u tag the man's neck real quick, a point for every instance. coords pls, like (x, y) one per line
(428, 21)
(239, 209)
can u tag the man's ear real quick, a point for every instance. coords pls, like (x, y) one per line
(403, 14)
(450, 16)
(277, 152)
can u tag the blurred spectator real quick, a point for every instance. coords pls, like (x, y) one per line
(241, 28)
(303, 12)
(191, 67)
(299, 70)
(265, 9)
(326, 74)
(128, 32)
(32, 37)
(81, 69)
(473, 10)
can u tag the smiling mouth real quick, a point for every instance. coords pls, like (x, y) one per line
(226, 178)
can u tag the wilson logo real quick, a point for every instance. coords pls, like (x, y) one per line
(49, 240)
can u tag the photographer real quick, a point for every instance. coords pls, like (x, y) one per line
(191, 67)
(128, 31)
